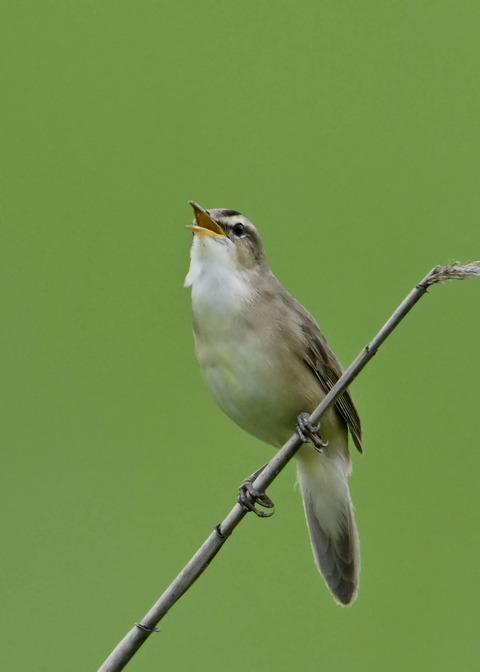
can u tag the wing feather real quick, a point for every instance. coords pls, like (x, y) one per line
(327, 369)
(311, 346)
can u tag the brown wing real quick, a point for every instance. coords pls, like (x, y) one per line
(314, 350)
(327, 368)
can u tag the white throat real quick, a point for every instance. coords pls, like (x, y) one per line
(216, 280)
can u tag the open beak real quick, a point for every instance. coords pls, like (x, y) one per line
(205, 225)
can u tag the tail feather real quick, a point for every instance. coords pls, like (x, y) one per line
(331, 523)
(337, 559)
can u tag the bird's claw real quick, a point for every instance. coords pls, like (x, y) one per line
(308, 433)
(248, 497)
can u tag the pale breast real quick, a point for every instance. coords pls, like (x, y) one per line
(252, 373)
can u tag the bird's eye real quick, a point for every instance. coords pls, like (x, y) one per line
(238, 229)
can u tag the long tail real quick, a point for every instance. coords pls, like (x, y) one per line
(330, 519)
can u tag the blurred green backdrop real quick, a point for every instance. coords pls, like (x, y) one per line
(349, 133)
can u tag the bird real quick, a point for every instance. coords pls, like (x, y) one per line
(268, 365)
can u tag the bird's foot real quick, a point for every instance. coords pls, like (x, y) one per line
(248, 497)
(308, 433)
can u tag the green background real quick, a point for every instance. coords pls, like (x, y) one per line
(349, 133)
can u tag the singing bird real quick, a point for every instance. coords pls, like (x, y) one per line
(268, 365)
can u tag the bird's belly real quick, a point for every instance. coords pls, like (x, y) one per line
(249, 401)
(254, 390)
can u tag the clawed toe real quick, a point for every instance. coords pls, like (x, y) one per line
(248, 497)
(308, 433)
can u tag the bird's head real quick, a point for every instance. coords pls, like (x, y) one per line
(228, 238)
